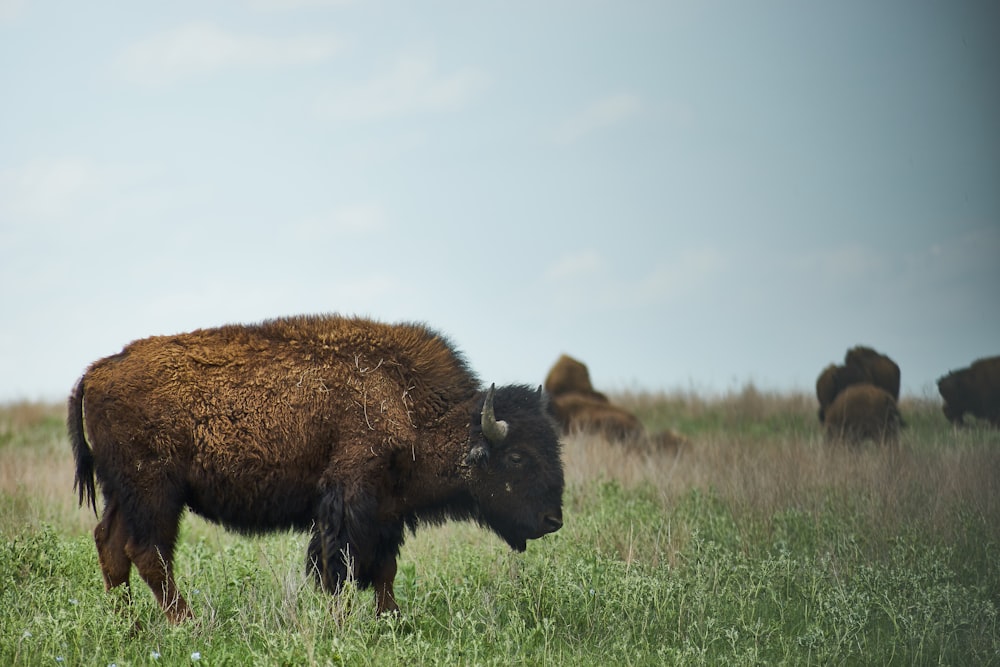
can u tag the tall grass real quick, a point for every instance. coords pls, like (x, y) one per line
(755, 543)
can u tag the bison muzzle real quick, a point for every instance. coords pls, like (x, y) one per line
(349, 428)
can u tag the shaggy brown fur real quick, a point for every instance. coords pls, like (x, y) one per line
(863, 411)
(347, 427)
(974, 390)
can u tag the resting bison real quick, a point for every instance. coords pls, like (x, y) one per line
(578, 407)
(583, 412)
(863, 411)
(861, 365)
(975, 390)
(349, 428)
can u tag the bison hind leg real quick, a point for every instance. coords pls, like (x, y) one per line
(150, 547)
(327, 558)
(110, 536)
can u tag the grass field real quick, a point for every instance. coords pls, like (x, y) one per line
(754, 544)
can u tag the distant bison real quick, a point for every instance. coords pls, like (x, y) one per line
(861, 365)
(346, 427)
(583, 412)
(578, 407)
(863, 411)
(974, 390)
(569, 375)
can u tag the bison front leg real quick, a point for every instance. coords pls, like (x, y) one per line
(326, 559)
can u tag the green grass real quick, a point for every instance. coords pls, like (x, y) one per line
(756, 544)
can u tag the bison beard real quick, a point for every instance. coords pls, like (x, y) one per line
(353, 429)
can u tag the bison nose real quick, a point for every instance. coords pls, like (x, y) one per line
(552, 523)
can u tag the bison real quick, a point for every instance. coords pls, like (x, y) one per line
(349, 428)
(974, 390)
(576, 411)
(578, 407)
(862, 365)
(863, 411)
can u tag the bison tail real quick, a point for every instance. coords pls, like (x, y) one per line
(84, 482)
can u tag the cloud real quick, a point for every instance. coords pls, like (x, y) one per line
(201, 49)
(833, 264)
(10, 9)
(352, 219)
(599, 115)
(49, 188)
(577, 266)
(685, 274)
(587, 280)
(411, 86)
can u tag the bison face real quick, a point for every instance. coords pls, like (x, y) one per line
(517, 475)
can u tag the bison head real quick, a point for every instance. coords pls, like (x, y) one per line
(951, 390)
(516, 478)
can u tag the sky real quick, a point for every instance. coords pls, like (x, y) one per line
(683, 195)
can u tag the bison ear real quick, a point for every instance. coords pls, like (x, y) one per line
(543, 399)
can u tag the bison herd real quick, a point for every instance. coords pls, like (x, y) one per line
(858, 399)
(357, 431)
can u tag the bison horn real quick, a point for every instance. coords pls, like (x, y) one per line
(494, 430)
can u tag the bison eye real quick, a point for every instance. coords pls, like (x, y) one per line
(515, 458)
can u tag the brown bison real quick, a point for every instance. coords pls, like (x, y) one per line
(863, 411)
(569, 375)
(862, 365)
(578, 407)
(583, 412)
(349, 428)
(974, 390)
